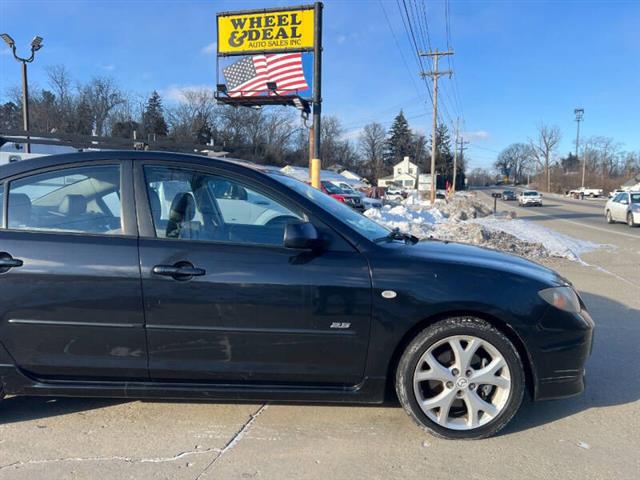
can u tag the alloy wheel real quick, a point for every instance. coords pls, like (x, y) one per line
(462, 382)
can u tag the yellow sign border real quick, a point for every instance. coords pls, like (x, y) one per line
(307, 34)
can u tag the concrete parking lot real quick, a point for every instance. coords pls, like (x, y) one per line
(593, 436)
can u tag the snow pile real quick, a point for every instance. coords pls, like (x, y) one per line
(416, 220)
(557, 244)
(465, 219)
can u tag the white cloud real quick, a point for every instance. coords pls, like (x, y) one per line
(209, 49)
(352, 134)
(175, 93)
(341, 39)
(477, 135)
(108, 67)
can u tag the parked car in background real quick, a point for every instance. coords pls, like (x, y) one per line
(395, 193)
(586, 192)
(140, 275)
(354, 200)
(616, 192)
(530, 198)
(349, 190)
(509, 195)
(624, 207)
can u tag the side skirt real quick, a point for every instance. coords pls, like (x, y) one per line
(370, 390)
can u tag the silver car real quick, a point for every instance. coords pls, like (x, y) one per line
(624, 207)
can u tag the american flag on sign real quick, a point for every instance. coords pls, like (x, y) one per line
(249, 76)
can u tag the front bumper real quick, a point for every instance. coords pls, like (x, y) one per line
(561, 356)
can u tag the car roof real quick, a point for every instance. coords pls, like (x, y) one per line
(24, 166)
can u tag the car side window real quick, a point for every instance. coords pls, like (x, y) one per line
(618, 197)
(78, 200)
(191, 205)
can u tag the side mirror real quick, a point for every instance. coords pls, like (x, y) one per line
(540, 195)
(300, 236)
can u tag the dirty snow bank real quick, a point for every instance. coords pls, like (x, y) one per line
(465, 219)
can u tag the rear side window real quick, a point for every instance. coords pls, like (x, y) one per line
(81, 200)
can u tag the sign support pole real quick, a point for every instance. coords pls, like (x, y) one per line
(314, 171)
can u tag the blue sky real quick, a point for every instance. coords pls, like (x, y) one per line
(517, 62)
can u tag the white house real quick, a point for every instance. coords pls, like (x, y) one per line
(404, 174)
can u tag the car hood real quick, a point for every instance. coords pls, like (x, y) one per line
(436, 251)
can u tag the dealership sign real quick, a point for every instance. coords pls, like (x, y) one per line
(263, 31)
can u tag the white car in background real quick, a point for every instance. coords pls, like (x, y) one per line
(530, 197)
(624, 207)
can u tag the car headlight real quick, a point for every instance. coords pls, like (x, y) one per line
(563, 298)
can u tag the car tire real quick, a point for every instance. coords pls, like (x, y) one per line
(432, 343)
(630, 221)
(609, 217)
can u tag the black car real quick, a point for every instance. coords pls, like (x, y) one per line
(158, 275)
(509, 195)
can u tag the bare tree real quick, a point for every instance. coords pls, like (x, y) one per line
(102, 95)
(371, 144)
(194, 116)
(515, 160)
(60, 84)
(543, 147)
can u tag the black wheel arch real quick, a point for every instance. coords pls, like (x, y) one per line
(499, 324)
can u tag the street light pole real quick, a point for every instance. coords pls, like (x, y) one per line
(579, 112)
(36, 44)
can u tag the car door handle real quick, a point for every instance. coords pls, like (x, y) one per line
(178, 271)
(7, 262)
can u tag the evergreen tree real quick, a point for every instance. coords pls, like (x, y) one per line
(82, 122)
(444, 155)
(9, 116)
(124, 129)
(400, 142)
(153, 120)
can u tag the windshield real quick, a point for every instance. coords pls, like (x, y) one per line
(348, 189)
(331, 188)
(530, 194)
(361, 224)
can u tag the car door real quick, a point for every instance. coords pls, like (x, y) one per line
(225, 302)
(69, 275)
(618, 210)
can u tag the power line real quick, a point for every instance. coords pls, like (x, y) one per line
(451, 60)
(404, 61)
(410, 34)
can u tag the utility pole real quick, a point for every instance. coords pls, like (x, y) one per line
(315, 166)
(579, 112)
(462, 142)
(434, 75)
(455, 156)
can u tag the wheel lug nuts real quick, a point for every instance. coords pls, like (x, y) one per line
(455, 371)
(459, 394)
(468, 373)
(472, 386)
(449, 384)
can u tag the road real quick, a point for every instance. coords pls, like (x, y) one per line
(592, 436)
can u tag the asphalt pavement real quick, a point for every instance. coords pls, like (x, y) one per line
(593, 436)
